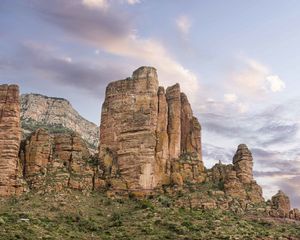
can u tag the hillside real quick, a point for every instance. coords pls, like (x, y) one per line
(55, 114)
(72, 215)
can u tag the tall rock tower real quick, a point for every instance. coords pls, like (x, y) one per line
(128, 129)
(243, 164)
(144, 132)
(10, 136)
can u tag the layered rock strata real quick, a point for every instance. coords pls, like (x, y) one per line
(58, 161)
(10, 136)
(144, 131)
(243, 164)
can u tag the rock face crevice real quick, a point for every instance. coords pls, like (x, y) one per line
(147, 129)
(10, 137)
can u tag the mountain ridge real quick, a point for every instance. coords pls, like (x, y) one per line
(41, 110)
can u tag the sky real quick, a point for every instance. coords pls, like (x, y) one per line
(237, 61)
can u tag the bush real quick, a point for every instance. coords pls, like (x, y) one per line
(145, 204)
(165, 201)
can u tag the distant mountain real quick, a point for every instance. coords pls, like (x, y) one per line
(56, 115)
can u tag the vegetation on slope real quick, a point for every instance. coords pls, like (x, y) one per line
(74, 215)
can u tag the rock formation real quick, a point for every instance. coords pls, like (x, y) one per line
(243, 164)
(150, 143)
(57, 161)
(174, 121)
(42, 111)
(237, 178)
(144, 131)
(36, 154)
(280, 204)
(10, 136)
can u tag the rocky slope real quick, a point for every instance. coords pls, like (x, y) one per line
(58, 114)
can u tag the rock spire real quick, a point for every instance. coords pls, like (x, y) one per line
(145, 130)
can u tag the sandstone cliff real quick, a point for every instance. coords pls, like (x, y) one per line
(42, 111)
(10, 136)
(53, 162)
(148, 135)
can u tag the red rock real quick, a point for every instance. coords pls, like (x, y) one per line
(281, 203)
(174, 121)
(243, 164)
(128, 128)
(146, 135)
(10, 137)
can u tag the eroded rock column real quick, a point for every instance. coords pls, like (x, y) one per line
(243, 164)
(10, 136)
(162, 145)
(128, 130)
(174, 120)
(190, 130)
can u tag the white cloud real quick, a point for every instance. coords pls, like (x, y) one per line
(256, 79)
(230, 98)
(242, 107)
(112, 33)
(132, 2)
(275, 83)
(101, 4)
(68, 59)
(183, 24)
(152, 53)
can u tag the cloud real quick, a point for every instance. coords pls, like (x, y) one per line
(228, 105)
(47, 64)
(112, 32)
(183, 24)
(213, 154)
(132, 2)
(102, 4)
(254, 79)
(105, 4)
(291, 188)
(275, 83)
(230, 97)
(278, 132)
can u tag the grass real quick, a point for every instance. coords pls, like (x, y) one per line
(74, 215)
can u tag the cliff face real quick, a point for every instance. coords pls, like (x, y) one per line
(10, 136)
(56, 112)
(144, 131)
(52, 162)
